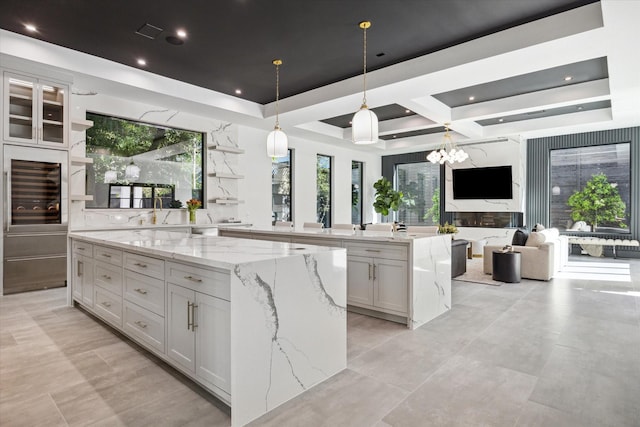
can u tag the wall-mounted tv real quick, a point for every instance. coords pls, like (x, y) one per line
(482, 183)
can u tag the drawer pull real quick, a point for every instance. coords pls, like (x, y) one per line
(106, 277)
(141, 291)
(193, 279)
(106, 304)
(372, 250)
(139, 264)
(106, 255)
(141, 324)
(80, 249)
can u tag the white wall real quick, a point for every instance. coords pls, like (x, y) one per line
(256, 188)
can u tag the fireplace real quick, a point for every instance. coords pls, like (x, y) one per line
(487, 219)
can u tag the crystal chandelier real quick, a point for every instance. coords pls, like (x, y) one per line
(277, 141)
(448, 151)
(364, 125)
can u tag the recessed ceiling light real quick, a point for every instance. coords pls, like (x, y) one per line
(568, 78)
(579, 107)
(30, 27)
(501, 120)
(407, 111)
(238, 92)
(394, 136)
(471, 98)
(141, 61)
(181, 33)
(350, 122)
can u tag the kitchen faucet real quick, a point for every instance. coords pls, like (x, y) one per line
(154, 218)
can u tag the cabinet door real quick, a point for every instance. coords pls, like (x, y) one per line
(390, 285)
(359, 280)
(52, 111)
(20, 108)
(181, 339)
(213, 341)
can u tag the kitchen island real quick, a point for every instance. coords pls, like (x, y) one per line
(404, 277)
(256, 323)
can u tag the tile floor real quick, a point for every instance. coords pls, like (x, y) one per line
(562, 353)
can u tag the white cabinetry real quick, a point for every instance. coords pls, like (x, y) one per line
(108, 284)
(35, 110)
(377, 277)
(199, 324)
(82, 273)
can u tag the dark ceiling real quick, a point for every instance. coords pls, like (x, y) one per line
(230, 44)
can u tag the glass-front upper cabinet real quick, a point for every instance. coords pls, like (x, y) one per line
(35, 110)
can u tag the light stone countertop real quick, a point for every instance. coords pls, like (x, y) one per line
(148, 226)
(370, 235)
(210, 251)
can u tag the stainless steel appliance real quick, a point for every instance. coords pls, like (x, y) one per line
(35, 221)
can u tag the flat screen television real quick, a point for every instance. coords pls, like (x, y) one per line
(482, 183)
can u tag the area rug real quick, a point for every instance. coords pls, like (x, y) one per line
(475, 274)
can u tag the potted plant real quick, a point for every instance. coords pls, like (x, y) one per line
(192, 206)
(599, 201)
(387, 199)
(447, 228)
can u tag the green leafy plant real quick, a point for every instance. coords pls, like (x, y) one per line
(599, 201)
(447, 228)
(433, 212)
(387, 199)
(175, 204)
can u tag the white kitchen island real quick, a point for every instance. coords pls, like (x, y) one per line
(405, 277)
(254, 322)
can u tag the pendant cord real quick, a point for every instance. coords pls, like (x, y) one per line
(277, 94)
(364, 61)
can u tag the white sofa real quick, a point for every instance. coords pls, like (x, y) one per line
(541, 258)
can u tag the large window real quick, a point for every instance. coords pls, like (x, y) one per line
(574, 169)
(323, 190)
(420, 184)
(134, 162)
(356, 192)
(281, 183)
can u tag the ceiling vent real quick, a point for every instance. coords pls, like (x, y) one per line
(149, 31)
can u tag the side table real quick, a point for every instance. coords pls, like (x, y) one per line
(506, 266)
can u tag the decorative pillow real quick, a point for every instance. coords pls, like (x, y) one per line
(535, 239)
(538, 227)
(550, 234)
(520, 237)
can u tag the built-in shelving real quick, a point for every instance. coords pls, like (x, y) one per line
(226, 149)
(80, 125)
(226, 175)
(81, 160)
(226, 201)
(81, 197)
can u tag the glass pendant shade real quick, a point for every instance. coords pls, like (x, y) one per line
(110, 176)
(277, 143)
(132, 171)
(364, 127)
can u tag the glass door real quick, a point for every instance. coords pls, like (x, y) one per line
(36, 192)
(20, 108)
(51, 110)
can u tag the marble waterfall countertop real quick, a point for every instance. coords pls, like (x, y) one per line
(206, 250)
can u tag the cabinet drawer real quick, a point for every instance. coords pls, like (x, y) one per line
(82, 248)
(112, 256)
(145, 265)
(210, 282)
(144, 325)
(145, 291)
(334, 243)
(109, 277)
(108, 306)
(387, 251)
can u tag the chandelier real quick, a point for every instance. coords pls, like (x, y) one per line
(277, 142)
(448, 151)
(364, 125)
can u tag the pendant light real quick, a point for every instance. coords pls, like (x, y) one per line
(277, 145)
(364, 125)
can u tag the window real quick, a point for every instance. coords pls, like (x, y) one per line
(420, 184)
(356, 192)
(572, 168)
(281, 182)
(323, 190)
(133, 162)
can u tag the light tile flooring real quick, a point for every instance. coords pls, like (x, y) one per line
(562, 353)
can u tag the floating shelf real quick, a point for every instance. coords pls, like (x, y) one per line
(52, 122)
(226, 149)
(81, 197)
(225, 175)
(23, 118)
(81, 160)
(48, 102)
(80, 124)
(226, 201)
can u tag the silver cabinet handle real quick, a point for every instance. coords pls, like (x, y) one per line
(369, 271)
(106, 255)
(80, 268)
(106, 304)
(374, 272)
(193, 279)
(141, 324)
(372, 250)
(141, 291)
(140, 265)
(80, 248)
(191, 316)
(106, 277)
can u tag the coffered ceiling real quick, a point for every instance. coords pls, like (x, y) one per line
(492, 68)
